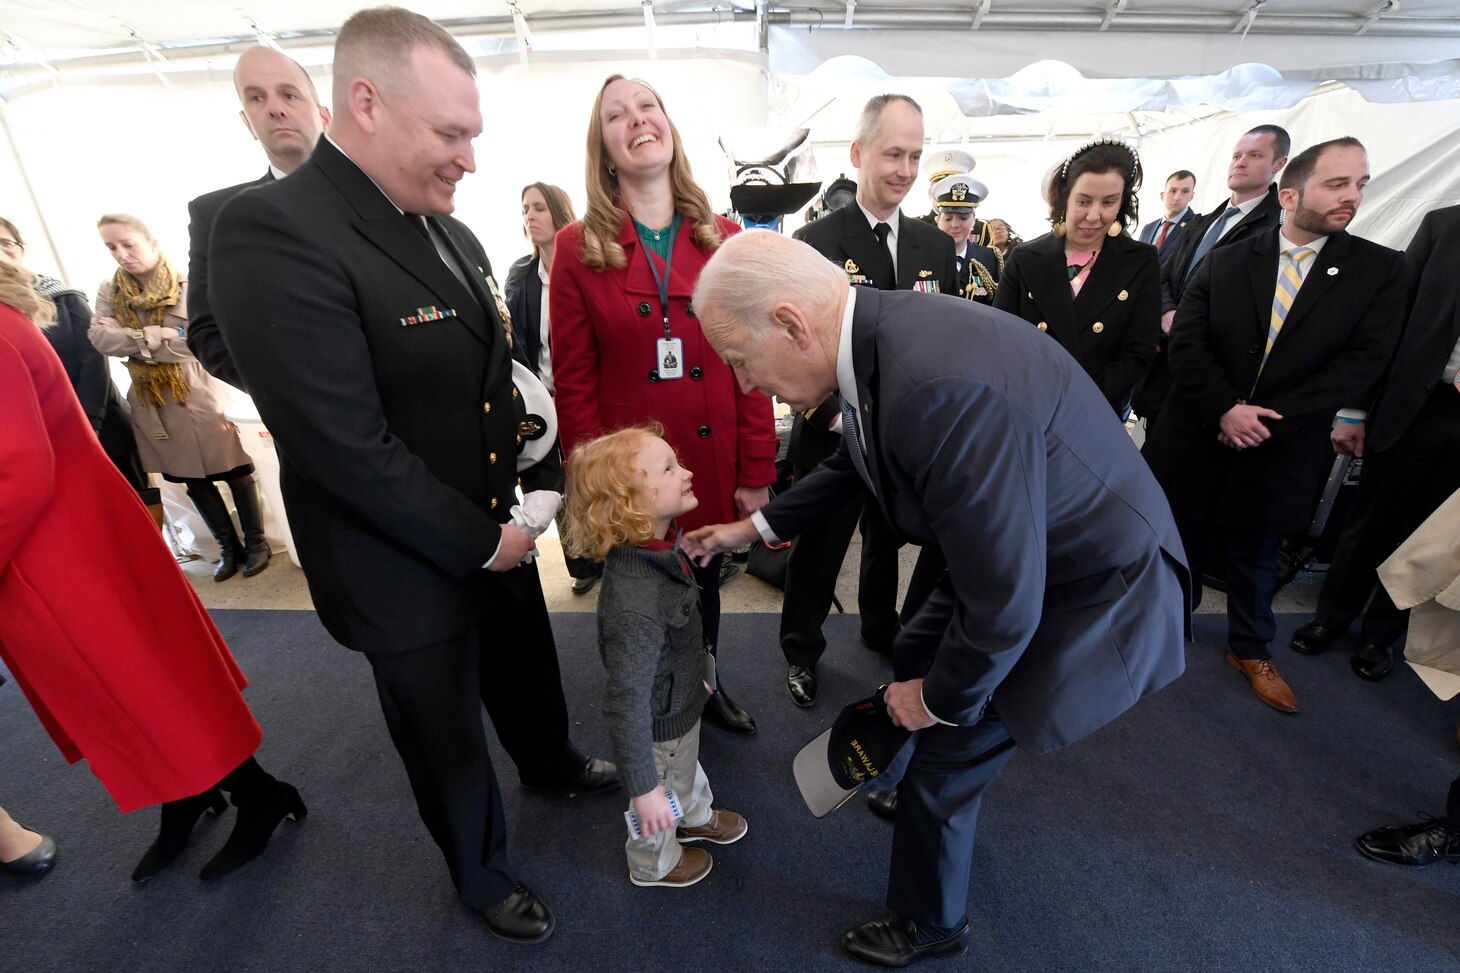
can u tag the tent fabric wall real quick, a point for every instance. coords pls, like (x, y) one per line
(536, 122)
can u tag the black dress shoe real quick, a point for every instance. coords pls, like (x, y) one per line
(801, 684)
(1425, 842)
(899, 942)
(581, 586)
(595, 777)
(257, 819)
(35, 862)
(178, 819)
(1373, 662)
(883, 803)
(725, 713)
(1313, 637)
(520, 918)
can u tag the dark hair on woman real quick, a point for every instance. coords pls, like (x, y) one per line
(1098, 157)
(560, 206)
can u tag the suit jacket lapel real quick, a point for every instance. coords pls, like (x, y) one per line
(1318, 281)
(1105, 277)
(1262, 272)
(377, 220)
(909, 255)
(531, 335)
(1049, 280)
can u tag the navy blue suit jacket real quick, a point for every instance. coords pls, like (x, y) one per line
(1065, 597)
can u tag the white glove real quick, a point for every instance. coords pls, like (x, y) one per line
(534, 514)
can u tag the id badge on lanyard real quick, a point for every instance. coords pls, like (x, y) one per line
(669, 350)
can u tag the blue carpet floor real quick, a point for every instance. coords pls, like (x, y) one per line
(1203, 831)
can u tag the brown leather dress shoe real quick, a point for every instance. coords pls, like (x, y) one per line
(694, 864)
(1270, 687)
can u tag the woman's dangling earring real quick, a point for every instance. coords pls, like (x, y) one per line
(612, 170)
(1058, 229)
(1115, 229)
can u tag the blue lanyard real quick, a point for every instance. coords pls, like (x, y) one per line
(663, 281)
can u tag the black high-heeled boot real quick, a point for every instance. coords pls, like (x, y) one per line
(724, 712)
(262, 802)
(178, 819)
(205, 497)
(248, 500)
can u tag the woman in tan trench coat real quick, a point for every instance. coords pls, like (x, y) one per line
(177, 408)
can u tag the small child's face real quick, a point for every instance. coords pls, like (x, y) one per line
(666, 483)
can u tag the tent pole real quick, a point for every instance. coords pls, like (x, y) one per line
(30, 190)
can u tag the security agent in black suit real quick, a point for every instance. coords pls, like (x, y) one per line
(1409, 439)
(1176, 214)
(1274, 336)
(886, 152)
(281, 110)
(1251, 210)
(377, 356)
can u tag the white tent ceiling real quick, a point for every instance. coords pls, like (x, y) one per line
(72, 25)
(1019, 81)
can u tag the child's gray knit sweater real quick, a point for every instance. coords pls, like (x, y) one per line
(652, 643)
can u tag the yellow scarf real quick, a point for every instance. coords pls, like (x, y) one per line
(130, 303)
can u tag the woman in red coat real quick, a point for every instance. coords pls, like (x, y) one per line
(627, 350)
(99, 627)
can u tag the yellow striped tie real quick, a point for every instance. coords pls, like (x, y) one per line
(1290, 278)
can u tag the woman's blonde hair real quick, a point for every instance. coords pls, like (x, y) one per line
(606, 504)
(17, 289)
(604, 220)
(125, 219)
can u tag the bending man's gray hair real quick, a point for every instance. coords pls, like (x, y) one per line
(752, 272)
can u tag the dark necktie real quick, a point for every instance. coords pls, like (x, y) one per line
(1161, 237)
(883, 231)
(854, 443)
(443, 252)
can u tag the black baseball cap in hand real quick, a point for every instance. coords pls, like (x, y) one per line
(858, 748)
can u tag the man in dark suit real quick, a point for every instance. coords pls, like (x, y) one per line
(875, 245)
(1409, 439)
(281, 110)
(1251, 210)
(360, 316)
(1176, 212)
(1063, 602)
(1274, 336)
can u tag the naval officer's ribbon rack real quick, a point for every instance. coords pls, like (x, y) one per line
(425, 315)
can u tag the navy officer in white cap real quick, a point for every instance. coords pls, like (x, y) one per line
(954, 199)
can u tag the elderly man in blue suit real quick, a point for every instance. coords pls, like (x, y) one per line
(1065, 597)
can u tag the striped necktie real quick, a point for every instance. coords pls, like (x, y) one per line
(854, 444)
(1290, 278)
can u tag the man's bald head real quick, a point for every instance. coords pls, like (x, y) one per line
(280, 106)
(771, 307)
